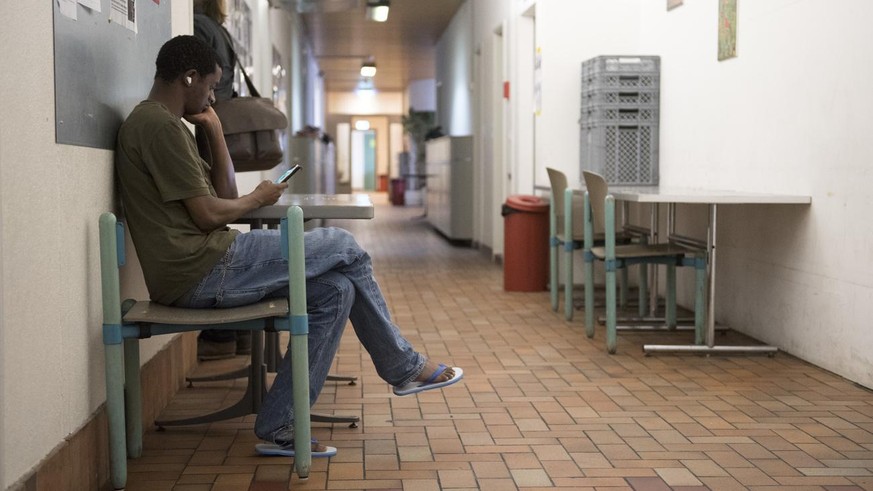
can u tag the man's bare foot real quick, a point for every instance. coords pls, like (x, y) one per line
(433, 376)
(319, 448)
(430, 367)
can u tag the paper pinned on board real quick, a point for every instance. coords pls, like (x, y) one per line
(123, 12)
(91, 4)
(67, 8)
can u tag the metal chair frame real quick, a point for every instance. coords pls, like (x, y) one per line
(125, 323)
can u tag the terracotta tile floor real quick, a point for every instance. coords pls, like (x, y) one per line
(541, 405)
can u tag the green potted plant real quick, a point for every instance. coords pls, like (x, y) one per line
(417, 124)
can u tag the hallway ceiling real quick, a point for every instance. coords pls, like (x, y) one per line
(404, 47)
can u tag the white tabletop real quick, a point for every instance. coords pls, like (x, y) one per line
(355, 206)
(659, 194)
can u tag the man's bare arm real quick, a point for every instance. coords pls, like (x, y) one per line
(210, 213)
(222, 174)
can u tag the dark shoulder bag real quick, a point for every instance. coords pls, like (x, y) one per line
(251, 127)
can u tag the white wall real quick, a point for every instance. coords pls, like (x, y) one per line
(489, 22)
(567, 34)
(790, 114)
(51, 354)
(454, 77)
(365, 103)
(421, 95)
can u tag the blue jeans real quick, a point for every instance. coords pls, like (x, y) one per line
(339, 287)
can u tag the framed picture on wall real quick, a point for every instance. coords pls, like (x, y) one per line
(727, 29)
(672, 4)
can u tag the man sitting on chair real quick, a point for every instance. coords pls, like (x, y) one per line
(178, 207)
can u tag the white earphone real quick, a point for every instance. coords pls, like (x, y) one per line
(188, 81)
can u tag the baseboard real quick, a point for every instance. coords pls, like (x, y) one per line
(81, 461)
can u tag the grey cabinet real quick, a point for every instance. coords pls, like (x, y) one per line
(450, 186)
(308, 152)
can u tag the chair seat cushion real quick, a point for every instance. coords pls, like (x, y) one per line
(642, 250)
(155, 313)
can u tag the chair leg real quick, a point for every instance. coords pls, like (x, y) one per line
(611, 314)
(110, 234)
(588, 228)
(114, 354)
(553, 254)
(568, 249)
(553, 272)
(293, 233)
(568, 280)
(133, 398)
(644, 289)
(671, 297)
(624, 289)
(589, 296)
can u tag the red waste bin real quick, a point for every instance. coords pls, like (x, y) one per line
(398, 186)
(525, 244)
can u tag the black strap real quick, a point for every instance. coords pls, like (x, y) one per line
(252, 90)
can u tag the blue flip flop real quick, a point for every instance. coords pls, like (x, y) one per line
(416, 387)
(274, 450)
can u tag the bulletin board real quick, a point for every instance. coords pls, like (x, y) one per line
(104, 64)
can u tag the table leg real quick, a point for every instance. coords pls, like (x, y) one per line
(709, 346)
(710, 274)
(653, 276)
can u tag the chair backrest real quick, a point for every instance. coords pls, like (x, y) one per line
(597, 191)
(558, 181)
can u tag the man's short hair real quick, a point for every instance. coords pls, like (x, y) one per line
(183, 53)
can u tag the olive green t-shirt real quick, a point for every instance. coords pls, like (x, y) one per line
(158, 167)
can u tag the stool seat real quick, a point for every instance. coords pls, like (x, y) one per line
(155, 313)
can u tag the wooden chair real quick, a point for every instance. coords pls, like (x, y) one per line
(565, 212)
(599, 210)
(124, 324)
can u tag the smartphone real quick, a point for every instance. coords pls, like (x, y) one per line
(288, 173)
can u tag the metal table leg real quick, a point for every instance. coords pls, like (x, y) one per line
(709, 347)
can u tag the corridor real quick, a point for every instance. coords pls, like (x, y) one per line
(541, 406)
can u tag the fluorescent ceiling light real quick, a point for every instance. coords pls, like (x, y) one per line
(362, 125)
(368, 69)
(377, 10)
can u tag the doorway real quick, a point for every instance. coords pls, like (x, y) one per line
(364, 160)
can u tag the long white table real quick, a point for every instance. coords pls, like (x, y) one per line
(656, 195)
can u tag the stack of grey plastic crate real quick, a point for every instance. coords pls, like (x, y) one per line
(619, 122)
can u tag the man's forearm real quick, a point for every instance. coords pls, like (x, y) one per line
(222, 174)
(210, 213)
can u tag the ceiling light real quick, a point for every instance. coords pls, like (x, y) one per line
(368, 69)
(362, 125)
(377, 10)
